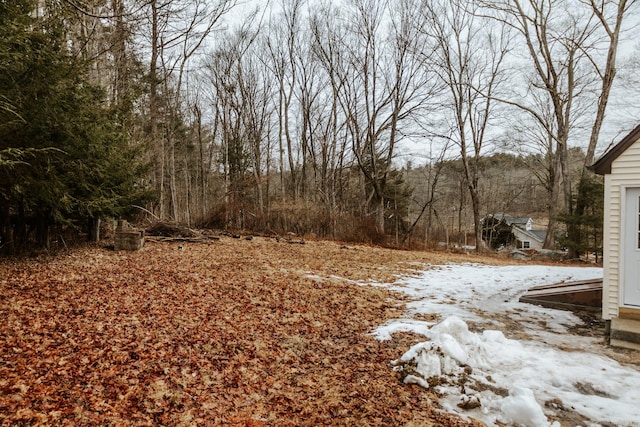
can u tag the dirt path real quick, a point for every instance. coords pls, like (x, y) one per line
(233, 332)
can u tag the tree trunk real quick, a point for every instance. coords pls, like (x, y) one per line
(94, 229)
(43, 227)
(20, 228)
(158, 143)
(202, 165)
(380, 215)
(172, 180)
(6, 238)
(477, 225)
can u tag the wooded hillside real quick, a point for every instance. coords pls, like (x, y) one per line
(305, 116)
(440, 212)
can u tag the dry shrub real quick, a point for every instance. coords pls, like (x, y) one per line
(303, 218)
(312, 220)
(364, 230)
(233, 216)
(215, 218)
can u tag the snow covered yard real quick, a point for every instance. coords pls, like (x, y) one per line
(489, 357)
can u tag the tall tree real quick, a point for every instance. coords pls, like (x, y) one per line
(242, 101)
(176, 31)
(334, 157)
(610, 16)
(469, 58)
(385, 85)
(283, 45)
(192, 25)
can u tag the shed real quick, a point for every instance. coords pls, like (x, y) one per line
(621, 241)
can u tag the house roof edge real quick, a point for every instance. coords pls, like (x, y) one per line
(603, 165)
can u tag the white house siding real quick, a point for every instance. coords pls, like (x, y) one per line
(624, 173)
(522, 236)
(611, 249)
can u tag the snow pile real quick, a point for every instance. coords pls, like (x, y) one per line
(521, 408)
(456, 362)
(494, 379)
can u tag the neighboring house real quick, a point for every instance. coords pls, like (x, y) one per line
(525, 237)
(621, 252)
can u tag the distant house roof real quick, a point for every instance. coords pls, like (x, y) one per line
(517, 221)
(538, 235)
(510, 220)
(603, 165)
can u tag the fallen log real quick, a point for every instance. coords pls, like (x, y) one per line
(198, 239)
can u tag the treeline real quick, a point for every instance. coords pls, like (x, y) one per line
(296, 118)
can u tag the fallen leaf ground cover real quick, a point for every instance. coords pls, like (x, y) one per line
(233, 332)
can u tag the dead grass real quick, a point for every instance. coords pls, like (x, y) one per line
(233, 332)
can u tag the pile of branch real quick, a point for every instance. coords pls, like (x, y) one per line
(289, 240)
(171, 231)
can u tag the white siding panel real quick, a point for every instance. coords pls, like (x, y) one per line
(609, 255)
(625, 172)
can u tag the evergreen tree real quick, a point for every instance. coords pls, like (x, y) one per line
(586, 227)
(63, 161)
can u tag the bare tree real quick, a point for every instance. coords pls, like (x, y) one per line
(242, 98)
(384, 85)
(328, 38)
(429, 182)
(189, 33)
(469, 60)
(610, 15)
(282, 45)
(178, 29)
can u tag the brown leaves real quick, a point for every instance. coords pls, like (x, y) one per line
(223, 333)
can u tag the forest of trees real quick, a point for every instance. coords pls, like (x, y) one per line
(355, 120)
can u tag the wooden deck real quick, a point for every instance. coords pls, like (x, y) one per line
(579, 295)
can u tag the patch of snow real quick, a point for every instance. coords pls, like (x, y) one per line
(520, 408)
(495, 379)
(403, 325)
